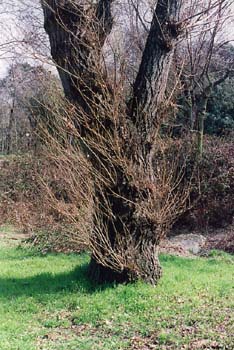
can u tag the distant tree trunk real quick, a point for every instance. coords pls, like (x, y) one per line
(77, 55)
(9, 143)
(202, 109)
(200, 124)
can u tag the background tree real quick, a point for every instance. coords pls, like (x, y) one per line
(220, 113)
(22, 92)
(207, 62)
(220, 110)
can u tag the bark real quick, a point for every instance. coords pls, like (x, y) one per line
(77, 34)
(137, 234)
(200, 121)
(151, 81)
(76, 41)
(147, 268)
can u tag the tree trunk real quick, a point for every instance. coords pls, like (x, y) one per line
(151, 81)
(200, 135)
(77, 35)
(132, 236)
(147, 268)
(9, 141)
(201, 120)
(204, 98)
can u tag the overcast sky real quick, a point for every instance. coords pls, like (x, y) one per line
(16, 27)
(20, 22)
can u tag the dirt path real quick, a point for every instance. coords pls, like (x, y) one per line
(190, 244)
(186, 244)
(9, 234)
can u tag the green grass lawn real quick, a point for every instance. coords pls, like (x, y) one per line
(46, 302)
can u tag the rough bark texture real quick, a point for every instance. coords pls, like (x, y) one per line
(137, 233)
(77, 34)
(76, 41)
(148, 269)
(151, 80)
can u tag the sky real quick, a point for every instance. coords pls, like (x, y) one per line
(20, 22)
(21, 29)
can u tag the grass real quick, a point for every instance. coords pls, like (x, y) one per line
(47, 303)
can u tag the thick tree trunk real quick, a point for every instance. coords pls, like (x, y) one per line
(132, 236)
(76, 40)
(151, 81)
(147, 268)
(77, 33)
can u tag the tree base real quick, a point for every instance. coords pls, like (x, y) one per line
(150, 272)
(101, 274)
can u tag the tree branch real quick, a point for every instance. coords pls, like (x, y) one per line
(151, 80)
(227, 74)
(105, 18)
(77, 33)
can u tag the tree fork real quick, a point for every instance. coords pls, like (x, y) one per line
(75, 54)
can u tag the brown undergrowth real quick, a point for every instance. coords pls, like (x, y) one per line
(53, 203)
(35, 198)
(212, 198)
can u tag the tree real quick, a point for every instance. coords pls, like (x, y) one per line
(220, 110)
(208, 62)
(20, 91)
(119, 135)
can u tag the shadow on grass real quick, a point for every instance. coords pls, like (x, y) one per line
(73, 281)
(47, 283)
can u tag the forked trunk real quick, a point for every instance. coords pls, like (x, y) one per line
(77, 34)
